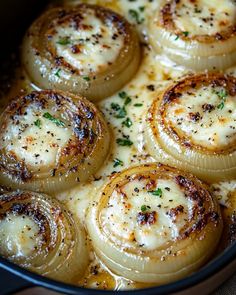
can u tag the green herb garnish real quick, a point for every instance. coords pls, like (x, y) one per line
(141, 8)
(115, 106)
(121, 114)
(145, 208)
(157, 192)
(138, 105)
(37, 123)
(222, 94)
(124, 142)
(117, 162)
(86, 78)
(185, 33)
(58, 73)
(64, 41)
(128, 123)
(122, 94)
(135, 15)
(58, 122)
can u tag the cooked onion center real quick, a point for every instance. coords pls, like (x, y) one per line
(206, 116)
(146, 213)
(36, 136)
(204, 17)
(20, 236)
(88, 43)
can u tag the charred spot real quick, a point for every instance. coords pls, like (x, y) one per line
(92, 136)
(151, 184)
(184, 182)
(76, 49)
(218, 36)
(207, 107)
(146, 218)
(151, 87)
(174, 212)
(61, 13)
(81, 133)
(18, 208)
(58, 60)
(77, 119)
(195, 117)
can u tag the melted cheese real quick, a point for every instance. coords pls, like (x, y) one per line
(92, 47)
(35, 139)
(19, 236)
(203, 17)
(212, 128)
(120, 217)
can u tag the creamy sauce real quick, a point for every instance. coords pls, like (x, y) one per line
(154, 74)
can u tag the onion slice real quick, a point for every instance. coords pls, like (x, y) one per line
(192, 125)
(199, 35)
(154, 224)
(50, 141)
(37, 233)
(85, 49)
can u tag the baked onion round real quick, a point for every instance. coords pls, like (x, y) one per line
(197, 34)
(37, 233)
(85, 49)
(50, 141)
(192, 124)
(153, 223)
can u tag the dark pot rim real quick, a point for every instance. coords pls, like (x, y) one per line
(213, 267)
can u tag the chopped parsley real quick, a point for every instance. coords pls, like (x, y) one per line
(64, 41)
(185, 33)
(125, 96)
(115, 106)
(117, 162)
(222, 94)
(37, 123)
(138, 105)
(57, 73)
(122, 113)
(122, 94)
(136, 16)
(86, 78)
(145, 208)
(127, 123)
(157, 192)
(141, 8)
(58, 122)
(124, 142)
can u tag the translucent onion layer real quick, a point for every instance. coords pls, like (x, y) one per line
(51, 141)
(211, 51)
(37, 233)
(154, 224)
(84, 49)
(191, 126)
